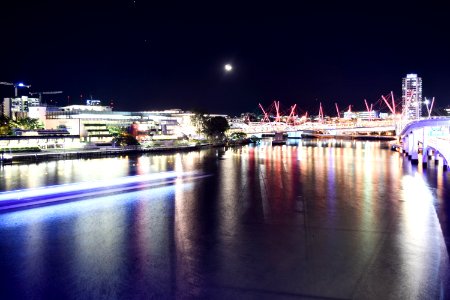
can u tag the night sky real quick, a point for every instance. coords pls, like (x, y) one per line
(150, 56)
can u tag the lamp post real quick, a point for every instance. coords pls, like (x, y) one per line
(429, 107)
(15, 85)
(20, 84)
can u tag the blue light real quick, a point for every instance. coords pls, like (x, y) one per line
(41, 195)
(33, 216)
(20, 84)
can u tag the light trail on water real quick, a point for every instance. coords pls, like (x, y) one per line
(44, 195)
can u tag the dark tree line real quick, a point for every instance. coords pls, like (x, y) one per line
(213, 128)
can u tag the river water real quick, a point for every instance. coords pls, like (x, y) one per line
(319, 219)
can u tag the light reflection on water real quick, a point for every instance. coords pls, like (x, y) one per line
(326, 216)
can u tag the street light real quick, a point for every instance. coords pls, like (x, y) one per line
(429, 107)
(20, 84)
(15, 85)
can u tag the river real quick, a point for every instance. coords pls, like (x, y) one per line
(319, 219)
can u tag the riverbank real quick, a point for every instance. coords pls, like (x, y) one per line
(109, 151)
(99, 152)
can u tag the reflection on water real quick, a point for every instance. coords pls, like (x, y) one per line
(329, 218)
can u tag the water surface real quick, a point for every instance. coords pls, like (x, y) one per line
(313, 219)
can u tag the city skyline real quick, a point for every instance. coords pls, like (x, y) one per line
(146, 56)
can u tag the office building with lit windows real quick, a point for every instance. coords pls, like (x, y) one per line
(412, 97)
(16, 107)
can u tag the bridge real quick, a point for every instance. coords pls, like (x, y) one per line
(258, 128)
(427, 139)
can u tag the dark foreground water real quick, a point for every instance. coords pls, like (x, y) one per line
(313, 220)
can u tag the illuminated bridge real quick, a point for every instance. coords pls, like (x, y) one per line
(258, 128)
(427, 138)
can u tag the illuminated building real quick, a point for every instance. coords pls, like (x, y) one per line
(19, 106)
(412, 97)
(92, 122)
(363, 115)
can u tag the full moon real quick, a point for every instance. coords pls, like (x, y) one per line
(228, 67)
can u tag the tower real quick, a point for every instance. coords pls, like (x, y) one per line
(412, 97)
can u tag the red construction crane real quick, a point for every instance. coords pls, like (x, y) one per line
(266, 116)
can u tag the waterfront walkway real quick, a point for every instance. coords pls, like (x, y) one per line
(90, 153)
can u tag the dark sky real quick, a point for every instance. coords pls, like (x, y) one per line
(148, 55)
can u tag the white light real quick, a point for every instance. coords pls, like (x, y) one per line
(48, 194)
(228, 67)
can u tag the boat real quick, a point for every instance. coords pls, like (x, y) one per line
(279, 139)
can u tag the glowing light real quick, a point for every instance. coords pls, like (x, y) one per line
(21, 198)
(228, 67)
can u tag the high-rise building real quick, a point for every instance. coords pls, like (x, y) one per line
(15, 107)
(412, 97)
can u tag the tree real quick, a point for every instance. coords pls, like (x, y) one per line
(121, 137)
(238, 135)
(116, 131)
(198, 120)
(5, 125)
(215, 127)
(125, 139)
(26, 123)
